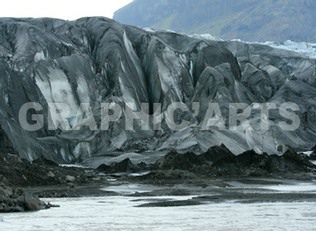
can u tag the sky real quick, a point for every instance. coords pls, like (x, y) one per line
(63, 9)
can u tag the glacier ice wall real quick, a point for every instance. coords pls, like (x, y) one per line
(97, 60)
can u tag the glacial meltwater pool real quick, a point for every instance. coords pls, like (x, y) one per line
(120, 213)
(217, 211)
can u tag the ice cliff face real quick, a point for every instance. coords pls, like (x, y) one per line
(96, 60)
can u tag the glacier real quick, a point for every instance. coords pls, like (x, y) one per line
(97, 60)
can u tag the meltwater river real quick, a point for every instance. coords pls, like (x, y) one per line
(121, 213)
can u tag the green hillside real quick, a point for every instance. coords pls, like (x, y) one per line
(251, 20)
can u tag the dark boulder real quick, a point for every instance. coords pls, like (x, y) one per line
(125, 166)
(16, 200)
(174, 160)
(217, 153)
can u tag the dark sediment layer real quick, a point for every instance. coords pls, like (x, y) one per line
(46, 179)
(20, 180)
(217, 162)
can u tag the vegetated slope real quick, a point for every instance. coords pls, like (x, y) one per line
(249, 20)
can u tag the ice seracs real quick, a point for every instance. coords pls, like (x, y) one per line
(97, 60)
